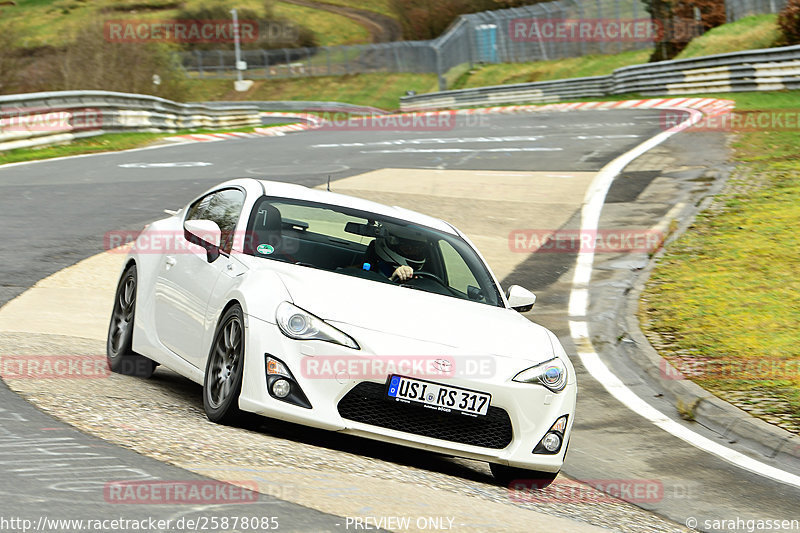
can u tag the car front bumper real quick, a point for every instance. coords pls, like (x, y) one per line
(531, 408)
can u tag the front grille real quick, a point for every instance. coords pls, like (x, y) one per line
(366, 403)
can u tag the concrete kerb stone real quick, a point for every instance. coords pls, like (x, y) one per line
(731, 422)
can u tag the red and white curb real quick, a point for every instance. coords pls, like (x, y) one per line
(268, 131)
(706, 106)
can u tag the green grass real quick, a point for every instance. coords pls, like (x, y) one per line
(378, 6)
(729, 289)
(51, 22)
(749, 33)
(379, 90)
(101, 143)
(331, 29)
(573, 67)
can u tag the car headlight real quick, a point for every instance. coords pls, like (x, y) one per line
(552, 374)
(299, 324)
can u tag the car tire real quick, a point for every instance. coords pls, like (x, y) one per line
(533, 479)
(119, 353)
(225, 369)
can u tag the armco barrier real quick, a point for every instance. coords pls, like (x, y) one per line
(303, 106)
(751, 70)
(540, 92)
(37, 119)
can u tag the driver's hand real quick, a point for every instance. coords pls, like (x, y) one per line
(402, 273)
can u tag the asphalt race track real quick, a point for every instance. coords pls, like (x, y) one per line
(55, 214)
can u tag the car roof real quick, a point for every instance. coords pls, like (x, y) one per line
(301, 192)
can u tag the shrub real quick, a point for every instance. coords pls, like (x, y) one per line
(90, 62)
(678, 18)
(789, 22)
(427, 19)
(274, 32)
(10, 60)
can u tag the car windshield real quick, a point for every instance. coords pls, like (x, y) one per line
(368, 246)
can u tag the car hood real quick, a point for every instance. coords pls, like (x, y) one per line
(463, 326)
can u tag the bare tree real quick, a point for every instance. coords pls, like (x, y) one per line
(91, 61)
(10, 60)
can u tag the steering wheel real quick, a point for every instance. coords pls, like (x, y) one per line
(428, 275)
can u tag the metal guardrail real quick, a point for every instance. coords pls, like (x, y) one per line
(538, 92)
(304, 106)
(37, 119)
(752, 70)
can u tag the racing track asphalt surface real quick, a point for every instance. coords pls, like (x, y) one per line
(55, 214)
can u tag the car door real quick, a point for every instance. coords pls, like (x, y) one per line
(187, 277)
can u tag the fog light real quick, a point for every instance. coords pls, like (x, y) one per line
(554, 438)
(281, 388)
(551, 442)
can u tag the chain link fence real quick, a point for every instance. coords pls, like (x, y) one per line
(737, 9)
(545, 31)
(401, 56)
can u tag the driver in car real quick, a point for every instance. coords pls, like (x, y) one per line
(399, 254)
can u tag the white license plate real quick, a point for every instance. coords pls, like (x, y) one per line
(437, 396)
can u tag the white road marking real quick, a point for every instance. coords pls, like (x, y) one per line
(435, 140)
(97, 154)
(587, 137)
(579, 328)
(462, 140)
(458, 150)
(184, 164)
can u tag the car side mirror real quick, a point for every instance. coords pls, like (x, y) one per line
(520, 299)
(205, 233)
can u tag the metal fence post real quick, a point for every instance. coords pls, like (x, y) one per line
(328, 59)
(580, 16)
(439, 73)
(470, 34)
(542, 46)
(397, 64)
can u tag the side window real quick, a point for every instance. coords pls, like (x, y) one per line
(222, 207)
(459, 276)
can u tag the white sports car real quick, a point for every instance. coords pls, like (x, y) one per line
(348, 315)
